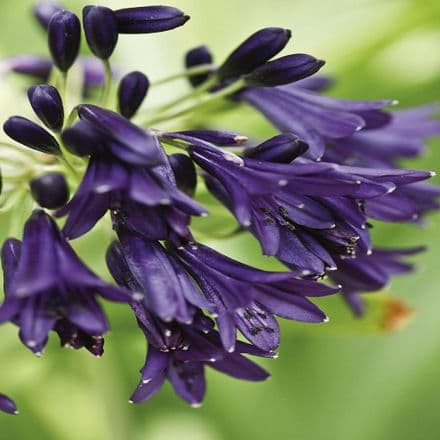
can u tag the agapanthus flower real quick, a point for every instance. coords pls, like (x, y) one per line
(179, 352)
(303, 212)
(247, 299)
(370, 273)
(128, 172)
(314, 118)
(49, 288)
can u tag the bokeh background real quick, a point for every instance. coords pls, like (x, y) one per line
(346, 380)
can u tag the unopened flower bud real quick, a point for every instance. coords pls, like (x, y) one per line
(47, 105)
(284, 70)
(255, 51)
(282, 149)
(101, 30)
(50, 190)
(64, 36)
(184, 172)
(197, 57)
(31, 135)
(132, 91)
(149, 19)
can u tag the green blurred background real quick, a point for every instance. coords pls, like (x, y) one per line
(343, 380)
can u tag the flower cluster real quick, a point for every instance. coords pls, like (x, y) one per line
(307, 194)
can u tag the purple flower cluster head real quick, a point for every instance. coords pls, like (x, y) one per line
(103, 159)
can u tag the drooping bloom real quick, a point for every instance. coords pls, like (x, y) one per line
(247, 299)
(302, 212)
(169, 292)
(370, 273)
(179, 352)
(146, 200)
(312, 117)
(49, 288)
(403, 136)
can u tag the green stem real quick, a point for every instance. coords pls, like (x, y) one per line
(105, 99)
(195, 93)
(193, 71)
(234, 87)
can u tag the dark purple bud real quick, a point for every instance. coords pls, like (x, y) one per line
(149, 19)
(82, 139)
(45, 10)
(47, 105)
(281, 149)
(7, 405)
(255, 51)
(197, 57)
(284, 70)
(50, 190)
(184, 172)
(131, 92)
(64, 36)
(217, 137)
(30, 65)
(101, 29)
(31, 135)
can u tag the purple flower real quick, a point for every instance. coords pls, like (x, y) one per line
(146, 200)
(169, 292)
(7, 405)
(402, 137)
(31, 135)
(312, 117)
(64, 36)
(254, 52)
(247, 299)
(50, 190)
(149, 19)
(132, 91)
(369, 273)
(101, 129)
(304, 212)
(101, 30)
(49, 288)
(177, 352)
(47, 105)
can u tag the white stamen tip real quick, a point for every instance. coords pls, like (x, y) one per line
(196, 405)
(326, 319)
(137, 296)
